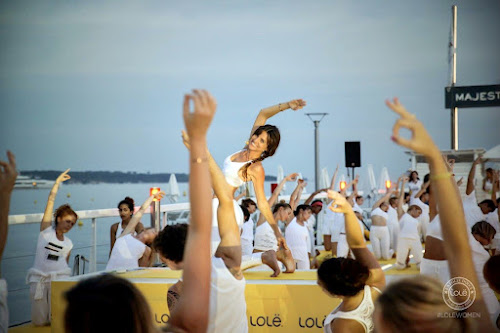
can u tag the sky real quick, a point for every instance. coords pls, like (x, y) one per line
(94, 85)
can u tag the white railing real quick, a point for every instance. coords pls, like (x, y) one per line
(93, 215)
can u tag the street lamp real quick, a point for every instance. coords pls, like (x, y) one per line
(316, 118)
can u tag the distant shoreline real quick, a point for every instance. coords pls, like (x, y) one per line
(112, 177)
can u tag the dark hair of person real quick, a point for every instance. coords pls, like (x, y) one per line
(171, 241)
(273, 141)
(392, 200)
(491, 272)
(279, 205)
(107, 303)
(64, 210)
(359, 197)
(489, 203)
(343, 276)
(246, 213)
(248, 202)
(483, 229)
(301, 207)
(406, 195)
(427, 177)
(129, 202)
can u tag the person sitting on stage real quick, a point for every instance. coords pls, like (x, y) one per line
(133, 251)
(53, 250)
(357, 282)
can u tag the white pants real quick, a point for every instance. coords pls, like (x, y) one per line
(302, 264)
(40, 308)
(343, 250)
(413, 246)
(394, 234)
(435, 268)
(423, 225)
(379, 237)
(4, 309)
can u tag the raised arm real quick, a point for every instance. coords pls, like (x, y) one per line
(402, 197)
(191, 313)
(356, 241)
(472, 173)
(266, 113)
(274, 197)
(383, 199)
(8, 176)
(315, 193)
(297, 193)
(455, 231)
(49, 209)
(136, 218)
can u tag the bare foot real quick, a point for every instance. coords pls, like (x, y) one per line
(269, 258)
(285, 256)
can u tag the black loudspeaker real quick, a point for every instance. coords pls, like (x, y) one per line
(352, 154)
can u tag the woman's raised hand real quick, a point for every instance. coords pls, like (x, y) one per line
(339, 203)
(291, 177)
(8, 174)
(63, 177)
(159, 195)
(297, 104)
(198, 120)
(185, 139)
(421, 142)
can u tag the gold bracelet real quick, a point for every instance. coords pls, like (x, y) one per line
(199, 160)
(445, 175)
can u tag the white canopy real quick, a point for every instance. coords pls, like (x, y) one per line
(493, 155)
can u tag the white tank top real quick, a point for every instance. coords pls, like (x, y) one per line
(119, 231)
(126, 253)
(228, 308)
(362, 314)
(264, 238)
(51, 253)
(231, 170)
(434, 228)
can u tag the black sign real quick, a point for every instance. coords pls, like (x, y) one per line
(472, 96)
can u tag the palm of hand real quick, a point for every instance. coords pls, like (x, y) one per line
(297, 104)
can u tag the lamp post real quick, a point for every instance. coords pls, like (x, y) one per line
(155, 219)
(316, 119)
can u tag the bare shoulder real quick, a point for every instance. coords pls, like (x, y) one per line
(139, 227)
(346, 325)
(256, 170)
(114, 226)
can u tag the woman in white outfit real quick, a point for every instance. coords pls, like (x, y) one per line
(297, 237)
(415, 183)
(131, 250)
(52, 254)
(411, 304)
(126, 210)
(357, 282)
(379, 232)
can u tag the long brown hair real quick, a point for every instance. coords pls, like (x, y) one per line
(273, 141)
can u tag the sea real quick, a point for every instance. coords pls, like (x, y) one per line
(20, 250)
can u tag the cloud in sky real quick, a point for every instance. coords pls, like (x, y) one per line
(98, 86)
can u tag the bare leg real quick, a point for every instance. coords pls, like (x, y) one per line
(270, 259)
(285, 256)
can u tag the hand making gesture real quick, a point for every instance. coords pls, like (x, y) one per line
(297, 104)
(198, 120)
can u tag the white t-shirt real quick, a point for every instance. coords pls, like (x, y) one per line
(264, 238)
(328, 221)
(228, 308)
(424, 217)
(379, 212)
(392, 215)
(311, 222)
(51, 253)
(408, 227)
(414, 187)
(473, 213)
(297, 239)
(126, 253)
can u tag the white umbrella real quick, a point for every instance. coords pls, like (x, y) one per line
(173, 188)
(384, 177)
(280, 177)
(325, 179)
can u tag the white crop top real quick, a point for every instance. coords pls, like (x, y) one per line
(231, 170)
(434, 228)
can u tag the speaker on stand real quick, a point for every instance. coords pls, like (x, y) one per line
(352, 155)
